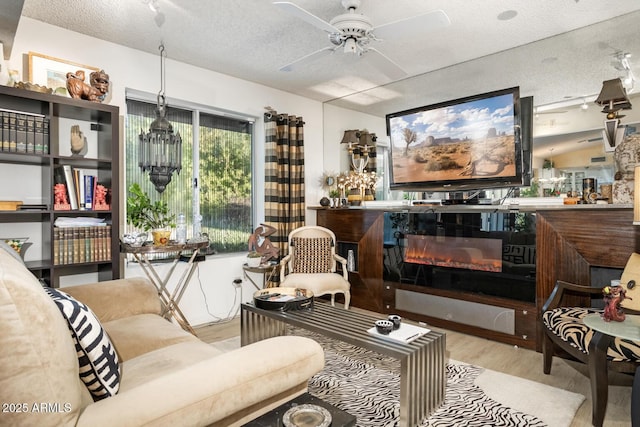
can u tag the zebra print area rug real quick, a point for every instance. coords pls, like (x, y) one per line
(367, 385)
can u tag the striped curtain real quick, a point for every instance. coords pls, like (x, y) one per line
(284, 176)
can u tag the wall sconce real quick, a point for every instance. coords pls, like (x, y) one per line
(613, 98)
(160, 150)
(361, 147)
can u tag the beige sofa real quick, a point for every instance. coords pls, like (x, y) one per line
(169, 377)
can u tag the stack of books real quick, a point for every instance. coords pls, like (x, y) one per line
(23, 132)
(74, 245)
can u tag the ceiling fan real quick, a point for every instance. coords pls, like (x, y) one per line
(353, 32)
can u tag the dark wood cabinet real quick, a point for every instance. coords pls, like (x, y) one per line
(33, 173)
(361, 229)
(569, 242)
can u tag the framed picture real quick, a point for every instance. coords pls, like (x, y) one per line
(52, 72)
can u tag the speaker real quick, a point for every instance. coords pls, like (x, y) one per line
(526, 133)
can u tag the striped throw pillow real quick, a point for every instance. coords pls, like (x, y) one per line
(311, 255)
(99, 367)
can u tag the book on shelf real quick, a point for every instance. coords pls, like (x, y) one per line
(21, 133)
(31, 130)
(71, 188)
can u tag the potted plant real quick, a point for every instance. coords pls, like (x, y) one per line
(254, 259)
(144, 214)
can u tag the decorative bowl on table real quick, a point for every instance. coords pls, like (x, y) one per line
(397, 321)
(18, 244)
(384, 327)
(135, 239)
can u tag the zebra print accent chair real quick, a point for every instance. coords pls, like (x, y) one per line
(565, 333)
(311, 264)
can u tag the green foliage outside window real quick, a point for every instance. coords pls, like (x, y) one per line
(225, 175)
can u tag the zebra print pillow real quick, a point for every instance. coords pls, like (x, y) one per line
(99, 368)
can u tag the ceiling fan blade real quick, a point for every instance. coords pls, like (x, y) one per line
(416, 24)
(299, 12)
(384, 64)
(309, 58)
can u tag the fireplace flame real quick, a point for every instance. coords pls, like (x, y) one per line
(456, 252)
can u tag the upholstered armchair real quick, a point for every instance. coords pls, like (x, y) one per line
(566, 333)
(311, 264)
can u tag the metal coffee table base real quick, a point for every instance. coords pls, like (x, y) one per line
(422, 362)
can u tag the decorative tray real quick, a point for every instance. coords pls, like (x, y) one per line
(307, 415)
(283, 299)
(405, 334)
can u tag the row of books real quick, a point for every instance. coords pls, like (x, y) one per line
(74, 245)
(76, 188)
(24, 132)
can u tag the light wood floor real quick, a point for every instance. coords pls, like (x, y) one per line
(572, 376)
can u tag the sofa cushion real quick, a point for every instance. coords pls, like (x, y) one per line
(567, 323)
(37, 357)
(132, 336)
(99, 368)
(311, 255)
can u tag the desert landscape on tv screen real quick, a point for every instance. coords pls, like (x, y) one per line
(465, 141)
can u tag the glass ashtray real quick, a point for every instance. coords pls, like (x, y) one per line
(307, 415)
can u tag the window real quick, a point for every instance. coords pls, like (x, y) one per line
(216, 178)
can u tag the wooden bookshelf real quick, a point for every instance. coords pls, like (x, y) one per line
(33, 171)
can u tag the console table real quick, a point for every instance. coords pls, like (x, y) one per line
(170, 300)
(422, 361)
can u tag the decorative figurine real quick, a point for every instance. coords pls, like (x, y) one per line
(78, 141)
(60, 194)
(100, 202)
(613, 296)
(259, 242)
(95, 92)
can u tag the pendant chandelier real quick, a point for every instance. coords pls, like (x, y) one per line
(160, 150)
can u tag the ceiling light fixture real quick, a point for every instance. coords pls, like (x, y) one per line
(160, 150)
(584, 106)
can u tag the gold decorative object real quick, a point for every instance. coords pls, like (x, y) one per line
(33, 87)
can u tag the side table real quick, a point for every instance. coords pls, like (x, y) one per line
(266, 270)
(169, 300)
(273, 418)
(604, 333)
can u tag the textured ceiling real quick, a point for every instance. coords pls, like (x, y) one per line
(552, 49)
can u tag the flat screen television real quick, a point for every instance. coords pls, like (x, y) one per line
(467, 144)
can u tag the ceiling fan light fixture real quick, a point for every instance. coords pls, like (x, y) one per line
(350, 45)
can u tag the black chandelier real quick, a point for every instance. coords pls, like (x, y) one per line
(160, 150)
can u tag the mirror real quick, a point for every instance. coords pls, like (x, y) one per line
(562, 73)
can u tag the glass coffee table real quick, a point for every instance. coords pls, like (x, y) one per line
(422, 361)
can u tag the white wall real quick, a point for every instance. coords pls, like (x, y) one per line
(134, 69)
